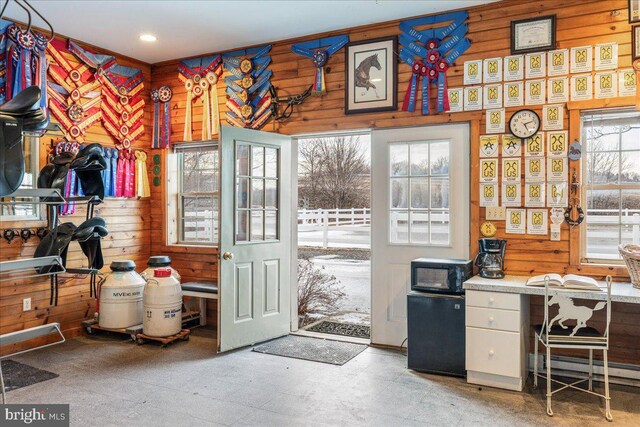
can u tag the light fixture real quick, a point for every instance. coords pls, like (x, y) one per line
(148, 37)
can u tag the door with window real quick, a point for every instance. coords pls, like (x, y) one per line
(255, 237)
(420, 208)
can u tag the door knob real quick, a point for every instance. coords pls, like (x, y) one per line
(227, 255)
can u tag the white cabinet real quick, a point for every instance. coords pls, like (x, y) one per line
(496, 339)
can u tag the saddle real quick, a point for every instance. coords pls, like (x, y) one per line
(19, 114)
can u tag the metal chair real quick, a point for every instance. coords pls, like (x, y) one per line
(579, 336)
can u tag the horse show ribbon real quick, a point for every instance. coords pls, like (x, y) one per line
(319, 51)
(161, 137)
(200, 77)
(142, 179)
(439, 49)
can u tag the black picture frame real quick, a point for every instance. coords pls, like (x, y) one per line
(636, 7)
(635, 42)
(550, 46)
(392, 77)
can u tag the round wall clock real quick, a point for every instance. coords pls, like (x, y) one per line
(488, 229)
(524, 123)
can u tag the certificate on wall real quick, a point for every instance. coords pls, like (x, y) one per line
(489, 145)
(472, 72)
(516, 221)
(494, 121)
(511, 146)
(511, 169)
(489, 195)
(557, 143)
(558, 62)
(537, 221)
(553, 117)
(606, 56)
(534, 146)
(558, 89)
(581, 87)
(606, 84)
(488, 170)
(557, 169)
(514, 94)
(557, 194)
(627, 82)
(511, 194)
(534, 93)
(492, 71)
(455, 100)
(492, 96)
(534, 169)
(473, 98)
(513, 68)
(581, 58)
(535, 65)
(534, 194)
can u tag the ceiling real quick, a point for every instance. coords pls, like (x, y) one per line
(190, 28)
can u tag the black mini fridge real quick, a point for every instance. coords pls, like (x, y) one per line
(436, 333)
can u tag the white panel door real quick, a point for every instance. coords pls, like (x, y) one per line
(255, 237)
(420, 208)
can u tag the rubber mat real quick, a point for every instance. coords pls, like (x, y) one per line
(17, 375)
(314, 349)
(337, 328)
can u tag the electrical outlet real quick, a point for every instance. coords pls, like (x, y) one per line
(26, 304)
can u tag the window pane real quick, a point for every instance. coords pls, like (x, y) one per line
(420, 227)
(242, 193)
(242, 159)
(439, 157)
(271, 193)
(601, 138)
(257, 193)
(439, 227)
(271, 162)
(630, 166)
(420, 193)
(630, 217)
(419, 159)
(257, 219)
(399, 227)
(257, 161)
(602, 168)
(270, 225)
(439, 193)
(242, 226)
(631, 137)
(399, 159)
(399, 192)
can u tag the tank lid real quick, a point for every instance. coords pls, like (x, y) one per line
(162, 272)
(123, 265)
(159, 261)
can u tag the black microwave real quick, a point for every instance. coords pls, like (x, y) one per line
(443, 276)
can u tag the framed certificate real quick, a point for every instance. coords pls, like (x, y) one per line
(533, 34)
(634, 11)
(635, 42)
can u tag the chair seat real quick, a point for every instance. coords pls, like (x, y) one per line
(206, 287)
(560, 335)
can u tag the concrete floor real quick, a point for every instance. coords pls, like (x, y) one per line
(110, 382)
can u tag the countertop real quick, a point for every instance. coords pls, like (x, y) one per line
(620, 291)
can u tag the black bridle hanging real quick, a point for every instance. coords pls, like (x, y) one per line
(290, 102)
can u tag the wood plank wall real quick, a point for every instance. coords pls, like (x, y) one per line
(129, 225)
(579, 22)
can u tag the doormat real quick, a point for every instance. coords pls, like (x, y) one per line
(313, 349)
(336, 328)
(17, 375)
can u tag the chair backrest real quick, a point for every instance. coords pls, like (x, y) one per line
(568, 310)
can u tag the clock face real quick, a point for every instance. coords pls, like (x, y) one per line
(524, 124)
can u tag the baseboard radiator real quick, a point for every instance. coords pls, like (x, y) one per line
(576, 367)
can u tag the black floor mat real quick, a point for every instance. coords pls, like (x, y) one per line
(346, 329)
(17, 375)
(314, 349)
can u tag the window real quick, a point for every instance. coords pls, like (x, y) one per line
(419, 185)
(257, 187)
(197, 193)
(611, 173)
(25, 212)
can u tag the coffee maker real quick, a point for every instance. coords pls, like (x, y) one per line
(490, 259)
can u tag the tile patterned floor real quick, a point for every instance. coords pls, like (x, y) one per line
(114, 383)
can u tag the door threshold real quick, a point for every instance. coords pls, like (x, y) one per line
(331, 337)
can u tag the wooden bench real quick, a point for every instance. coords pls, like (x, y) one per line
(204, 291)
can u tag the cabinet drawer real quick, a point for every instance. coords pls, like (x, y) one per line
(493, 352)
(490, 318)
(493, 300)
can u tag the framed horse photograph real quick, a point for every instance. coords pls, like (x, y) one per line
(371, 76)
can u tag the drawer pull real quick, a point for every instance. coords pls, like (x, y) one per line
(491, 300)
(491, 353)
(491, 319)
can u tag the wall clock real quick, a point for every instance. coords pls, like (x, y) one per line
(524, 123)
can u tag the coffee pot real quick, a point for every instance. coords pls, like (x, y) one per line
(490, 259)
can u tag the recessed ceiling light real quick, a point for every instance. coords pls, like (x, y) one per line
(148, 38)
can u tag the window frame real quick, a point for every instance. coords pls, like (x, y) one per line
(583, 258)
(34, 143)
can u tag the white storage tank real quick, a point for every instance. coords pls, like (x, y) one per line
(162, 304)
(121, 296)
(159, 261)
